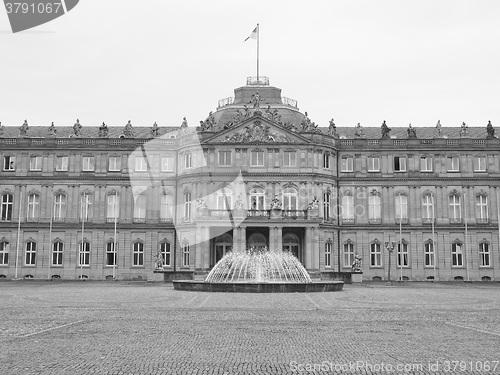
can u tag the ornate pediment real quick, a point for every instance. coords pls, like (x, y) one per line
(258, 130)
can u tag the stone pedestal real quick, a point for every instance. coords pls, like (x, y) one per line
(312, 213)
(276, 213)
(357, 277)
(202, 212)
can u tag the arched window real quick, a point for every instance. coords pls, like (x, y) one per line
(484, 254)
(138, 254)
(33, 206)
(328, 253)
(185, 254)
(429, 254)
(165, 252)
(326, 205)
(6, 207)
(110, 253)
(187, 205)
(84, 253)
(482, 214)
(57, 253)
(402, 254)
(140, 208)
(30, 255)
(224, 199)
(257, 199)
(401, 207)
(347, 207)
(113, 211)
(348, 253)
(4, 252)
(375, 254)
(290, 199)
(374, 207)
(455, 211)
(457, 258)
(59, 206)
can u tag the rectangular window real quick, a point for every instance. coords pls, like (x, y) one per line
(428, 207)
(401, 207)
(140, 208)
(30, 259)
(4, 253)
(482, 207)
(402, 256)
(374, 208)
(326, 205)
(33, 206)
(399, 164)
(479, 163)
(289, 158)
(373, 164)
(62, 163)
(165, 204)
(257, 158)
(457, 259)
(59, 207)
(348, 255)
(484, 255)
(85, 207)
(138, 254)
(84, 255)
(57, 253)
(224, 158)
(110, 254)
(185, 254)
(35, 163)
(326, 160)
(328, 254)
(426, 164)
(114, 163)
(429, 254)
(167, 164)
(165, 253)
(6, 207)
(187, 206)
(348, 208)
(141, 164)
(453, 163)
(455, 210)
(113, 211)
(375, 255)
(346, 164)
(9, 163)
(88, 163)
(188, 162)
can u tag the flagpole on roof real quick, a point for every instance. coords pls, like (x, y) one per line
(258, 52)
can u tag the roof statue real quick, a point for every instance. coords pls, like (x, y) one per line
(77, 128)
(358, 131)
(184, 123)
(155, 130)
(489, 129)
(385, 131)
(201, 203)
(412, 132)
(256, 133)
(103, 130)
(23, 130)
(308, 125)
(332, 129)
(464, 130)
(255, 100)
(276, 202)
(314, 204)
(247, 111)
(129, 130)
(1, 128)
(239, 204)
(272, 115)
(209, 123)
(52, 129)
(440, 131)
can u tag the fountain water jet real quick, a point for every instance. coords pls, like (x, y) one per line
(259, 271)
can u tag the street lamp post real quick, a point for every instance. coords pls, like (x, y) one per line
(390, 248)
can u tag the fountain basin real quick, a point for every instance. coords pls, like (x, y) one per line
(258, 287)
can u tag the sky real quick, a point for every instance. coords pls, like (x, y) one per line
(354, 61)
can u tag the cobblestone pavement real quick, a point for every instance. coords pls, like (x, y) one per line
(144, 328)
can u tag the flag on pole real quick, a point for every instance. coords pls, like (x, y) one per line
(253, 35)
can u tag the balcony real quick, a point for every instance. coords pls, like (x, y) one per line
(456, 221)
(259, 214)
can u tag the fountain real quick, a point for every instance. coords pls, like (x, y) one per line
(258, 271)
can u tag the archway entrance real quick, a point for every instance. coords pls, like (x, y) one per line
(291, 243)
(258, 238)
(222, 245)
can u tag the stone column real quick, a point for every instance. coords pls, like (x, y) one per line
(308, 248)
(243, 238)
(279, 238)
(236, 238)
(199, 245)
(315, 248)
(272, 237)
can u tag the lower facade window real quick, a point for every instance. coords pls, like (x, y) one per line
(375, 255)
(457, 259)
(84, 251)
(185, 254)
(110, 254)
(30, 259)
(4, 253)
(165, 253)
(138, 254)
(328, 254)
(348, 254)
(429, 254)
(484, 255)
(403, 255)
(57, 253)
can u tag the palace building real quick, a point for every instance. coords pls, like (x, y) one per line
(103, 202)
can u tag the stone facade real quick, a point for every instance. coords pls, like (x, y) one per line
(257, 172)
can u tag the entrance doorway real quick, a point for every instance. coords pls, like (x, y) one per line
(222, 245)
(291, 243)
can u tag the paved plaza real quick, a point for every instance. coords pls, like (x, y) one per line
(144, 328)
